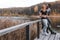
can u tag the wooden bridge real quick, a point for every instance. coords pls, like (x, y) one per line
(48, 37)
(27, 24)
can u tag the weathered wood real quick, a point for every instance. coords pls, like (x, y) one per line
(41, 37)
(46, 37)
(38, 30)
(27, 32)
(57, 37)
(52, 37)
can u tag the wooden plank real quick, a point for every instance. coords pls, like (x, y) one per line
(47, 37)
(57, 36)
(41, 37)
(52, 37)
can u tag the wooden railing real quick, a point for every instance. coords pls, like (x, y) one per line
(20, 26)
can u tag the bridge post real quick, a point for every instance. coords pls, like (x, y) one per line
(38, 30)
(27, 32)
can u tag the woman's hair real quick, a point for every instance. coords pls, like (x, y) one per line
(43, 7)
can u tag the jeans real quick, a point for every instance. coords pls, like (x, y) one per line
(46, 27)
(45, 24)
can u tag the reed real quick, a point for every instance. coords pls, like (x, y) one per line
(18, 34)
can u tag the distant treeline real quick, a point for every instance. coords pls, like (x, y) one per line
(55, 6)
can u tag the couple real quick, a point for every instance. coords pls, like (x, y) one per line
(43, 13)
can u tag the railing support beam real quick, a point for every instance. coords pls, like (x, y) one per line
(38, 30)
(27, 32)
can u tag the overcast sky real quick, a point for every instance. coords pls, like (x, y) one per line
(20, 3)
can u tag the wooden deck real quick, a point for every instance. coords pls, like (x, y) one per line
(49, 37)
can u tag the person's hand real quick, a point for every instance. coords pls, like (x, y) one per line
(38, 16)
(44, 16)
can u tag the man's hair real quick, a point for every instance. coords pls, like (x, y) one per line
(48, 5)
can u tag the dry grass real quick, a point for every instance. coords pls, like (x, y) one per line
(21, 33)
(18, 34)
(55, 21)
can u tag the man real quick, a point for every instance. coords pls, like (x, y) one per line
(49, 22)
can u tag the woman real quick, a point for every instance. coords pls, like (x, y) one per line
(43, 15)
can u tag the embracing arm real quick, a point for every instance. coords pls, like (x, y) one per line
(40, 14)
